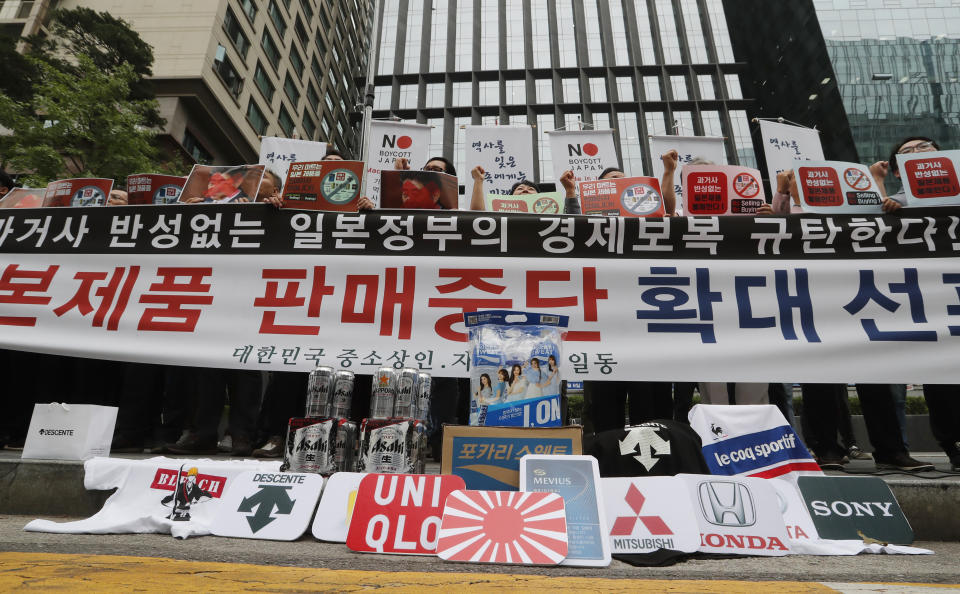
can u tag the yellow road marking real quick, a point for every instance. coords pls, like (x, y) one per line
(108, 573)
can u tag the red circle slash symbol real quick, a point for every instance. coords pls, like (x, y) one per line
(856, 179)
(746, 186)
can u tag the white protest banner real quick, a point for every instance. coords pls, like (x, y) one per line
(689, 148)
(750, 440)
(784, 143)
(737, 515)
(268, 505)
(721, 190)
(736, 298)
(161, 495)
(277, 153)
(388, 142)
(836, 187)
(586, 152)
(648, 514)
(930, 179)
(504, 152)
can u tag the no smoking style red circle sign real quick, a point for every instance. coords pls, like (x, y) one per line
(746, 186)
(856, 179)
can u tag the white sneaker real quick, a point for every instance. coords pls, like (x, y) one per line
(272, 449)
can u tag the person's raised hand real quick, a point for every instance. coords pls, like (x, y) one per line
(890, 206)
(880, 169)
(670, 160)
(401, 163)
(477, 173)
(568, 181)
(365, 204)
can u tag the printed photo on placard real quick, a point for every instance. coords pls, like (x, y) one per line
(577, 480)
(23, 198)
(721, 190)
(837, 187)
(625, 197)
(208, 184)
(324, 185)
(268, 505)
(930, 179)
(542, 203)
(154, 188)
(409, 188)
(92, 191)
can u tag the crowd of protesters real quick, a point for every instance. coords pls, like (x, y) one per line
(180, 410)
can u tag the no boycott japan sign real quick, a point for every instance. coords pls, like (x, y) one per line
(585, 152)
(400, 513)
(837, 187)
(930, 178)
(745, 297)
(390, 141)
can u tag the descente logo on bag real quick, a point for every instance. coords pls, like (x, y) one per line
(57, 432)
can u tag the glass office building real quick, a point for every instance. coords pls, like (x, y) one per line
(640, 67)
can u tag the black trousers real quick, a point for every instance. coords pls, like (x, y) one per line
(156, 400)
(943, 403)
(645, 401)
(243, 387)
(821, 409)
(285, 397)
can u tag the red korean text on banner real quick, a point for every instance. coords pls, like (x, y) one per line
(821, 186)
(932, 178)
(706, 193)
(503, 527)
(400, 513)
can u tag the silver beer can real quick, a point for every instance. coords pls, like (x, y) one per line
(386, 448)
(383, 393)
(424, 387)
(319, 392)
(405, 404)
(311, 448)
(345, 449)
(342, 394)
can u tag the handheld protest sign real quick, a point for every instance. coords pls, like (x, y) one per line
(851, 508)
(930, 179)
(577, 480)
(269, 506)
(542, 203)
(399, 513)
(324, 185)
(502, 151)
(336, 506)
(721, 190)
(209, 184)
(648, 514)
(737, 515)
(503, 527)
(87, 191)
(23, 198)
(277, 153)
(154, 188)
(425, 190)
(625, 197)
(837, 187)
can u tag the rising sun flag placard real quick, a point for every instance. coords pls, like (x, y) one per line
(503, 527)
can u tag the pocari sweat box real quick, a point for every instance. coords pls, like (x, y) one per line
(515, 368)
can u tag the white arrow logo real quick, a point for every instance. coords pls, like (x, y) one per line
(645, 442)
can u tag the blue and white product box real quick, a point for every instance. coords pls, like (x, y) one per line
(515, 368)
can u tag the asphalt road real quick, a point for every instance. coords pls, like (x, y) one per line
(943, 567)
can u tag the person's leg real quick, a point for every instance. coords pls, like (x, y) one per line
(900, 406)
(682, 400)
(285, 396)
(883, 428)
(713, 393)
(778, 396)
(820, 417)
(140, 406)
(751, 393)
(201, 437)
(607, 400)
(943, 406)
(245, 388)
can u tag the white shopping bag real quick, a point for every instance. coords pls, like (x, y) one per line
(70, 431)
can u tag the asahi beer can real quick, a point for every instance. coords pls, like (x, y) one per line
(383, 393)
(342, 395)
(312, 448)
(405, 404)
(424, 386)
(319, 392)
(345, 448)
(391, 446)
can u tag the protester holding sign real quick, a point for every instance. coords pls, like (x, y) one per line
(880, 169)
(438, 164)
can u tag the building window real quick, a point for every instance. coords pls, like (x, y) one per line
(630, 143)
(325, 127)
(290, 88)
(295, 60)
(301, 32)
(313, 98)
(434, 94)
(307, 9)
(285, 121)
(195, 149)
(618, 24)
(566, 38)
(249, 8)
(733, 86)
(381, 98)
(651, 88)
(436, 135)
(462, 94)
(235, 32)
(317, 71)
(438, 37)
(540, 33)
(669, 36)
(545, 124)
(592, 25)
(388, 36)
(489, 92)
(695, 40)
(544, 90)
(625, 88)
(329, 101)
(679, 85)
(514, 36)
(516, 92)
(256, 118)
(270, 49)
(309, 126)
(277, 17)
(411, 53)
(489, 32)
(408, 96)
(262, 80)
(571, 90)
(598, 90)
(707, 90)
(228, 74)
(464, 42)
(645, 29)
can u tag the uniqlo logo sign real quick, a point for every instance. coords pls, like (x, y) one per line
(166, 480)
(400, 513)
